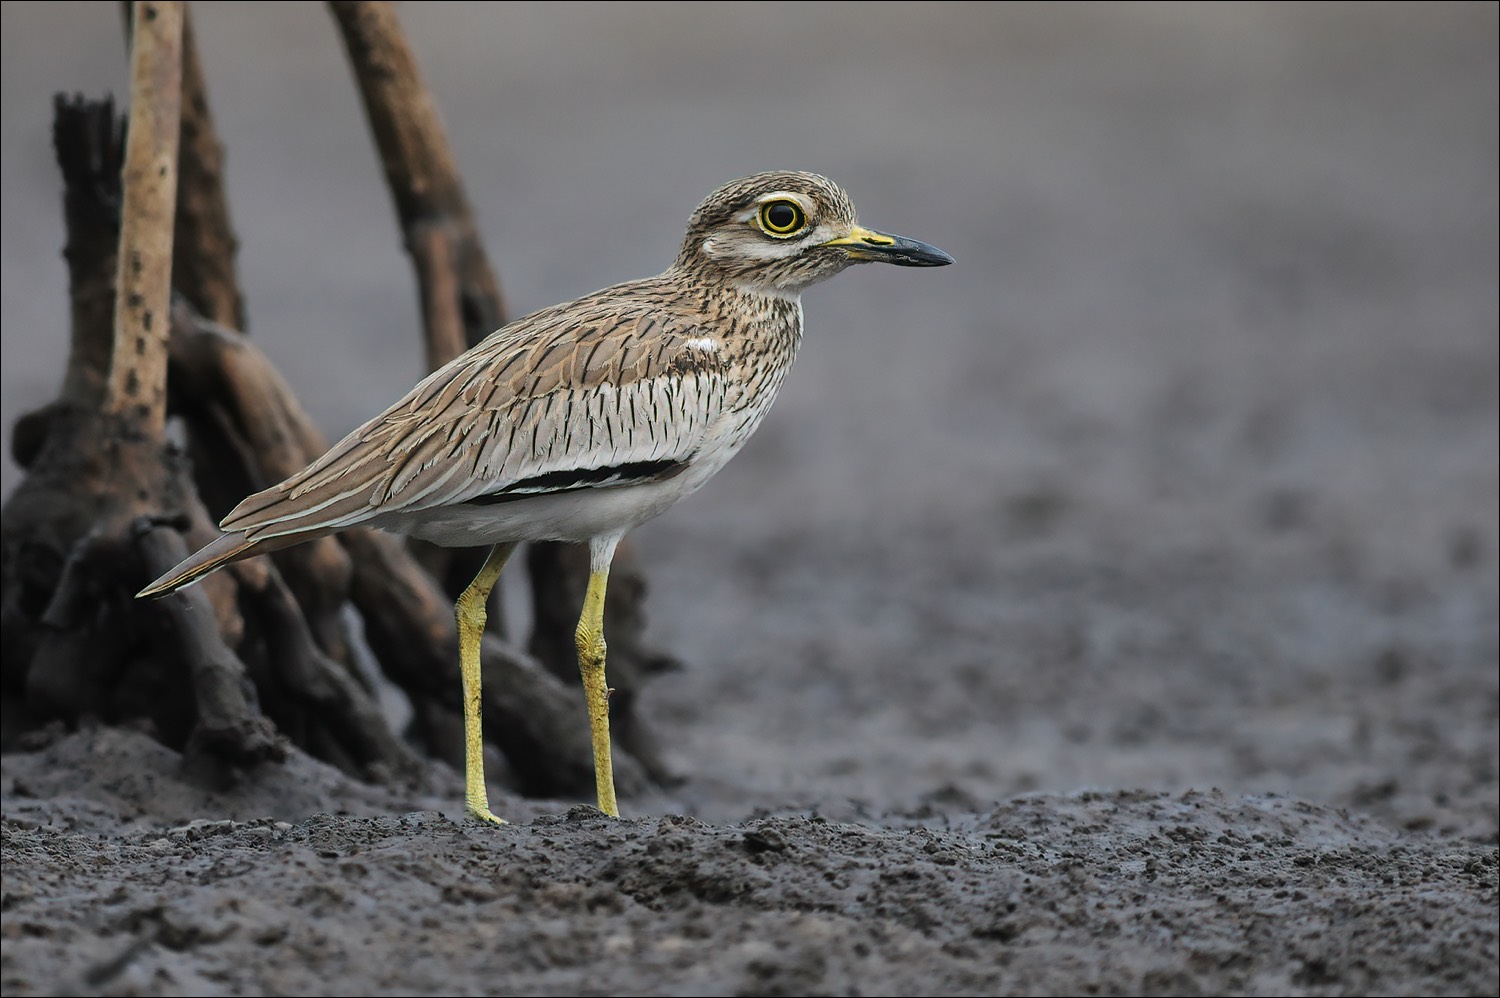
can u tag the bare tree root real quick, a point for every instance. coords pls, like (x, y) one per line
(329, 702)
(95, 457)
(82, 533)
(461, 304)
(460, 296)
(203, 264)
(248, 432)
(238, 667)
(229, 725)
(436, 220)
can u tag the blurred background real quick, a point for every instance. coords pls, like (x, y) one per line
(1185, 474)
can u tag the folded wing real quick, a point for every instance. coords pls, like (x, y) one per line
(595, 394)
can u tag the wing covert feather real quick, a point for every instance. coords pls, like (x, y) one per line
(594, 384)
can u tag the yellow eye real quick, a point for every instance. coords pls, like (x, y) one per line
(782, 218)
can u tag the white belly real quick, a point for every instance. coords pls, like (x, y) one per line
(572, 515)
(585, 513)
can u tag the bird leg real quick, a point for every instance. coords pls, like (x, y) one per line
(470, 611)
(590, 639)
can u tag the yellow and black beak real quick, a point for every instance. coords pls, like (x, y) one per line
(867, 245)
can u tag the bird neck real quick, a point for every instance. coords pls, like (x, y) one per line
(765, 312)
(756, 327)
(723, 297)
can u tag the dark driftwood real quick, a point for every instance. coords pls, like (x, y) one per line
(460, 296)
(66, 561)
(90, 149)
(228, 723)
(71, 552)
(248, 431)
(136, 387)
(461, 301)
(457, 284)
(263, 642)
(72, 533)
(329, 707)
(88, 142)
(83, 532)
(203, 268)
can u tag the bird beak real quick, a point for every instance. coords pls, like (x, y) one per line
(864, 245)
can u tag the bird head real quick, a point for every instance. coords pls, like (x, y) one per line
(779, 232)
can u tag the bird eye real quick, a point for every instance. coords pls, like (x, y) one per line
(782, 218)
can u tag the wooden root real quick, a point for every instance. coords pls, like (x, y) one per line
(258, 657)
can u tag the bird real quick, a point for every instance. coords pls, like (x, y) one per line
(578, 422)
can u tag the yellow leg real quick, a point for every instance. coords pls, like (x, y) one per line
(590, 638)
(470, 612)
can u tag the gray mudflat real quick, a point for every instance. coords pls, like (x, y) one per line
(1112, 612)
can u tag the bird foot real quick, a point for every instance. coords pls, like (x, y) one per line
(485, 815)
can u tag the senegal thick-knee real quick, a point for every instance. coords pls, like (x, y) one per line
(582, 420)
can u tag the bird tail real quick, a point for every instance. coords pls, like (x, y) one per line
(227, 548)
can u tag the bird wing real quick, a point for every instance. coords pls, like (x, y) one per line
(596, 393)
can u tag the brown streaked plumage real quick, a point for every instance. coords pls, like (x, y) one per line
(582, 420)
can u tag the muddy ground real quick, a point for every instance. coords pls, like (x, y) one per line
(1113, 612)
